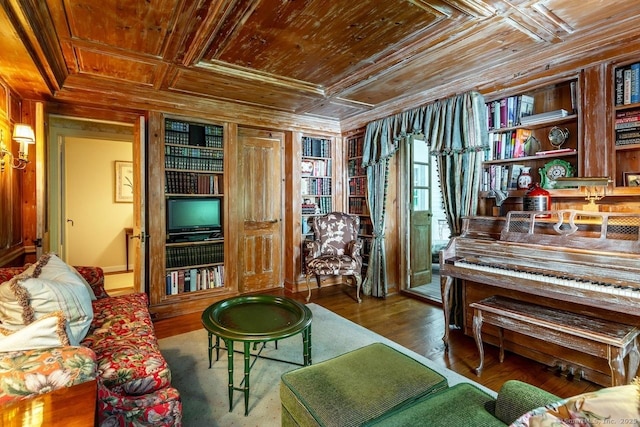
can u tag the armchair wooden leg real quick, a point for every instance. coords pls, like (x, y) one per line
(358, 285)
(308, 289)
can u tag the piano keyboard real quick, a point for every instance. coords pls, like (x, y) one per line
(537, 275)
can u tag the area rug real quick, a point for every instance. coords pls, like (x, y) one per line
(204, 391)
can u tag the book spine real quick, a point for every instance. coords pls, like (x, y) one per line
(631, 118)
(503, 112)
(627, 86)
(627, 141)
(635, 83)
(628, 134)
(628, 125)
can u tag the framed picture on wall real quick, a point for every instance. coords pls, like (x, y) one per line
(123, 181)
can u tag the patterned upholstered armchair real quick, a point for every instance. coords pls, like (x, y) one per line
(335, 250)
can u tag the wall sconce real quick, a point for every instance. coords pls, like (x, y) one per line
(594, 188)
(22, 134)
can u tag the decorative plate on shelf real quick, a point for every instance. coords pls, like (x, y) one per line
(553, 170)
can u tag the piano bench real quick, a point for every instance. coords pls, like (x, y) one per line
(594, 336)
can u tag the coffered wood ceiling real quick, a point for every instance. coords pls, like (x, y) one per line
(337, 60)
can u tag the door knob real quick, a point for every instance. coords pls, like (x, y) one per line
(71, 221)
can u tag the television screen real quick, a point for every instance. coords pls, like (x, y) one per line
(189, 215)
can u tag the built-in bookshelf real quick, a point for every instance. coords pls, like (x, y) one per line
(357, 203)
(627, 126)
(194, 174)
(531, 132)
(316, 182)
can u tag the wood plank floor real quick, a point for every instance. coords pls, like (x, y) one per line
(418, 325)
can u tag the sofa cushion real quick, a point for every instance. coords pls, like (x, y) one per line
(95, 278)
(123, 338)
(356, 387)
(616, 406)
(460, 405)
(26, 298)
(48, 331)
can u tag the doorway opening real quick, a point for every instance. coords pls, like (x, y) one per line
(92, 203)
(429, 230)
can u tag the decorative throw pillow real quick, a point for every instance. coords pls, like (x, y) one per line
(24, 299)
(611, 406)
(47, 331)
(52, 267)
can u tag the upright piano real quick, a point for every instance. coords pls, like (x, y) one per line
(581, 261)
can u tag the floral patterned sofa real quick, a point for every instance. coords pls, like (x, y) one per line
(119, 349)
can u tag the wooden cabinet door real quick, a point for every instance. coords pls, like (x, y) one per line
(260, 195)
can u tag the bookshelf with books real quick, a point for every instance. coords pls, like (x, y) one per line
(529, 130)
(357, 203)
(626, 128)
(316, 179)
(194, 196)
(317, 190)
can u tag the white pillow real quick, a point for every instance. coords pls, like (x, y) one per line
(52, 267)
(24, 299)
(48, 331)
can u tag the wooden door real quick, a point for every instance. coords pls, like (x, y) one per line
(260, 188)
(420, 248)
(140, 235)
(420, 225)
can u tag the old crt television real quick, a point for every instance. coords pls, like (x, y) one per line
(190, 215)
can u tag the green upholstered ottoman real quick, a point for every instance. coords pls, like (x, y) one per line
(355, 388)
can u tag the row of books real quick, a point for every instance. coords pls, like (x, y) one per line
(366, 227)
(194, 163)
(319, 205)
(358, 207)
(627, 80)
(315, 186)
(316, 167)
(355, 147)
(501, 177)
(180, 138)
(508, 112)
(183, 256)
(354, 167)
(194, 279)
(508, 145)
(357, 186)
(180, 126)
(198, 153)
(627, 127)
(316, 147)
(192, 183)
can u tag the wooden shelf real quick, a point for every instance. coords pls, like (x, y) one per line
(538, 125)
(530, 158)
